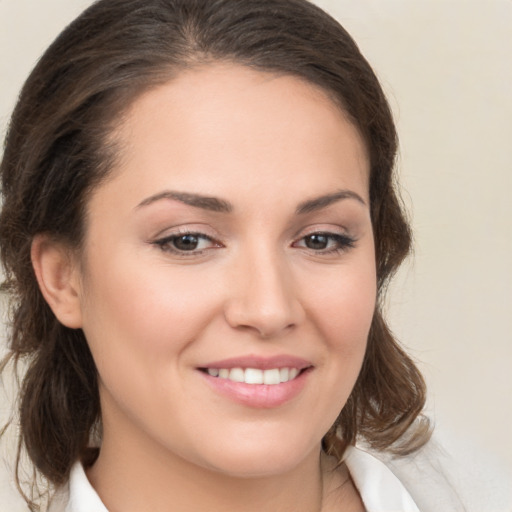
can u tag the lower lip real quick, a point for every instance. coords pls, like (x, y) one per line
(259, 396)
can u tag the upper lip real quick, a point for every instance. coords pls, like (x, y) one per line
(259, 362)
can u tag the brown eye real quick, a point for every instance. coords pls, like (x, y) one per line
(326, 243)
(317, 242)
(186, 242)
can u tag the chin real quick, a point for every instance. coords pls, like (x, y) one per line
(261, 458)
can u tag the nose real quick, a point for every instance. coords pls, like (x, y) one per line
(263, 297)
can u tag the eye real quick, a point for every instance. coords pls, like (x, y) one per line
(186, 242)
(326, 242)
(183, 243)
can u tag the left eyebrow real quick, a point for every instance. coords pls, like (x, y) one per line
(196, 200)
(324, 201)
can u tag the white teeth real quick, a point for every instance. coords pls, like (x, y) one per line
(237, 375)
(253, 376)
(271, 377)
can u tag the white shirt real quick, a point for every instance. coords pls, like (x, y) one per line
(380, 489)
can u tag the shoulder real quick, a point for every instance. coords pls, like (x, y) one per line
(441, 479)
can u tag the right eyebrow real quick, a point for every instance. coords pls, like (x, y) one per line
(213, 204)
(324, 201)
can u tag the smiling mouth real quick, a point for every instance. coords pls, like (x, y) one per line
(272, 376)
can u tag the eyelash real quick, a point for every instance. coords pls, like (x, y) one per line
(342, 243)
(166, 244)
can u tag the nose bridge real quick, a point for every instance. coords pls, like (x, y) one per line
(264, 297)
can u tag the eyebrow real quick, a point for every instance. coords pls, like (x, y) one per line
(318, 203)
(215, 204)
(198, 201)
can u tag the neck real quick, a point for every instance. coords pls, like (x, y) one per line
(137, 476)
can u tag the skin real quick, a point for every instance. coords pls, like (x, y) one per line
(266, 145)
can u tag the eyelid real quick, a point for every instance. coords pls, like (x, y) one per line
(194, 228)
(332, 229)
(173, 236)
(344, 241)
(164, 241)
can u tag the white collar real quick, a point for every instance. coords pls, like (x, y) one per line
(82, 496)
(380, 489)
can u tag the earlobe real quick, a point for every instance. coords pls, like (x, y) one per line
(58, 281)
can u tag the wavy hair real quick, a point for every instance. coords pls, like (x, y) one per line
(58, 149)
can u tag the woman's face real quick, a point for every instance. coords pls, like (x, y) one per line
(231, 246)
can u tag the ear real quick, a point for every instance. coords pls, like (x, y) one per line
(58, 279)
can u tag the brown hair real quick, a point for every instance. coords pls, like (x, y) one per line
(57, 151)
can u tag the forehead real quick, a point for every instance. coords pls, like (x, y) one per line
(229, 121)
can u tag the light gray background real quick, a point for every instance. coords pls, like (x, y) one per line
(446, 66)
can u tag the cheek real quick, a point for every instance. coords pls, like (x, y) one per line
(344, 305)
(348, 316)
(137, 316)
(139, 321)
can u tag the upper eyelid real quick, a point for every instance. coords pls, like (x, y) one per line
(166, 238)
(334, 229)
(166, 241)
(328, 234)
(203, 234)
(165, 244)
(175, 231)
(204, 230)
(171, 236)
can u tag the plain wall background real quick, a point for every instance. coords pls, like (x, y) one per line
(446, 66)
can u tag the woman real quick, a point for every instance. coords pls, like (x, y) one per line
(199, 220)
